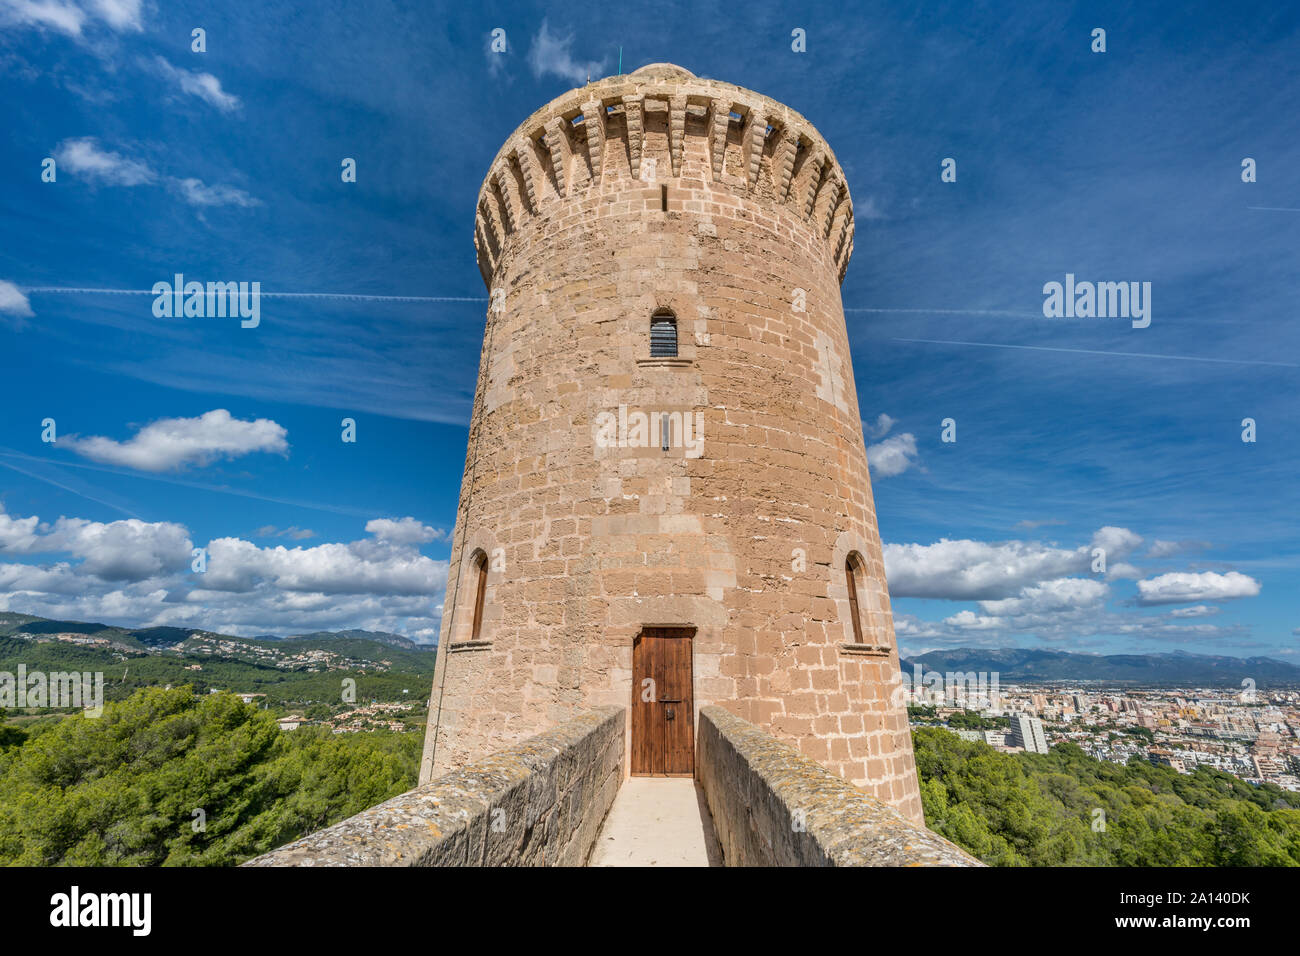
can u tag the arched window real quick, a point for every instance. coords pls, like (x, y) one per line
(852, 575)
(480, 596)
(663, 334)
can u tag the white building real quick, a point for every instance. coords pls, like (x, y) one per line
(1027, 732)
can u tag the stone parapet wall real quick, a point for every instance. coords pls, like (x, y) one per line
(772, 806)
(539, 803)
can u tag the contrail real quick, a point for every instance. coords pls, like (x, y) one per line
(1154, 355)
(358, 297)
(202, 486)
(355, 297)
(1274, 208)
(1025, 315)
(74, 491)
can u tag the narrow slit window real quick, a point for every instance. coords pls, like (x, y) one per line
(480, 596)
(663, 198)
(663, 335)
(853, 571)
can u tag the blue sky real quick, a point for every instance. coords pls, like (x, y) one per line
(1071, 433)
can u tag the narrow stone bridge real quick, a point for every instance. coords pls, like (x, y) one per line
(562, 798)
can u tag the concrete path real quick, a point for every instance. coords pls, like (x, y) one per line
(658, 821)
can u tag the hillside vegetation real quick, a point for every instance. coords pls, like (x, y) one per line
(169, 777)
(291, 672)
(1042, 809)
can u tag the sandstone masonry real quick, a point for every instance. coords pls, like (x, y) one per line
(538, 803)
(660, 192)
(772, 806)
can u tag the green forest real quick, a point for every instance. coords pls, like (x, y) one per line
(1066, 808)
(174, 778)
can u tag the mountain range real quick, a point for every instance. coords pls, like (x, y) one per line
(294, 669)
(1178, 668)
(358, 647)
(144, 638)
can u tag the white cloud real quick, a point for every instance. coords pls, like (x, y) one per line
(118, 14)
(1045, 608)
(57, 15)
(1049, 593)
(403, 531)
(1116, 541)
(85, 157)
(197, 193)
(12, 300)
(881, 428)
(869, 210)
(551, 54)
(71, 18)
(1165, 549)
(1182, 587)
(17, 535)
(1200, 610)
(386, 563)
(1123, 569)
(976, 570)
(238, 565)
(58, 579)
(138, 573)
(1059, 594)
(203, 85)
(172, 442)
(115, 551)
(969, 620)
(128, 550)
(893, 456)
(271, 531)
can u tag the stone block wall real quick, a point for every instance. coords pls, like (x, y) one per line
(539, 803)
(631, 195)
(772, 806)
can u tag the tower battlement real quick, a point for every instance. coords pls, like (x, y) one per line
(627, 139)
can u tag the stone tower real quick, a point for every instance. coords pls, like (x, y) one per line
(701, 489)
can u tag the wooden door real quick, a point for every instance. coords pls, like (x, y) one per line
(663, 703)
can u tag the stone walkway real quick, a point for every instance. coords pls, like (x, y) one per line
(658, 821)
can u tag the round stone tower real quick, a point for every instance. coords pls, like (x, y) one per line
(666, 501)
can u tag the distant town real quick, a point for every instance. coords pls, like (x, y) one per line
(312, 659)
(1251, 733)
(367, 717)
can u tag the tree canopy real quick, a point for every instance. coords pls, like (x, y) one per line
(168, 777)
(1066, 808)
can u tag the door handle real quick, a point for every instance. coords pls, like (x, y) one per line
(669, 715)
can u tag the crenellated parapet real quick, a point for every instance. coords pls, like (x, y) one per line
(627, 132)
